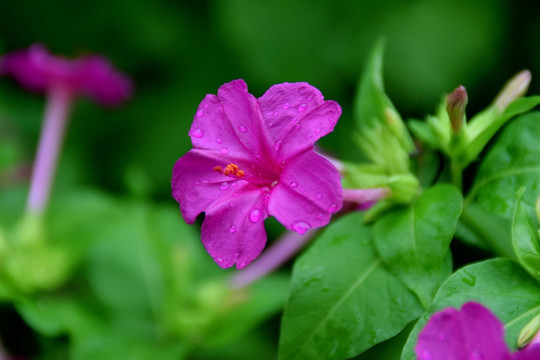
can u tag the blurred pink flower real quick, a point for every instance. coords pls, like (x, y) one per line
(253, 158)
(472, 333)
(93, 76)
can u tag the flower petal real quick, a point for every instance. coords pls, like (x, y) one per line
(297, 116)
(529, 353)
(471, 333)
(231, 123)
(233, 229)
(308, 193)
(196, 185)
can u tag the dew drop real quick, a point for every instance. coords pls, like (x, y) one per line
(242, 128)
(235, 194)
(293, 184)
(475, 355)
(197, 182)
(224, 186)
(276, 145)
(297, 126)
(309, 98)
(224, 151)
(332, 208)
(319, 196)
(200, 113)
(198, 133)
(293, 120)
(231, 204)
(241, 265)
(302, 107)
(276, 113)
(425, 355)
(205, 181)
(219, 260)
(219, 140)
(301, 227)
(317, 130)
(255, 216)
(232, 229)
(274, 183)
(286, 106)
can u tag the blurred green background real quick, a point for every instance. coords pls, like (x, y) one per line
(177, 51)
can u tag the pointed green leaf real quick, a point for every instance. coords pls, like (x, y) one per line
(499, 284)
(526, 240)
(342, 299)
(413, 242)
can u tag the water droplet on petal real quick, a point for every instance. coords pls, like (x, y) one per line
(319, 196)
(297, 126)
(255, 216)
(302, 107)
(286, 106)
(224, 151)
(232, 229)
(475, 355)
(219, 140)
(242, 128)
(332, 208)
(235, 194)
(241, 265)
(219, 260)
(198, 133)
(301, 227)
(317, 130)
(277, 144)
(205, 181)
(276, 113)
(293, 120)
(200, 113)
(425, 355)
(293, 184)
(224, 186)
(274, 183)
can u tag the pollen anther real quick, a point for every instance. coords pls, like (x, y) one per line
(230, 170)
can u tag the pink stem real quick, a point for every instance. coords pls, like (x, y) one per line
(52, 134)
(281, 251)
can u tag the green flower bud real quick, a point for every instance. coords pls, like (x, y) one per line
(455, 106)
(515, 88)
(529, 332)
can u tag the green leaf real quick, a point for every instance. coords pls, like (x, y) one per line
(381, 128)
(526, 240)
(413, 242)
(512, 163)
(343, 300)
(484, 126)
(499, 284)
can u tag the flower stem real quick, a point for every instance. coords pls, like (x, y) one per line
(281, 251)
(51, 138)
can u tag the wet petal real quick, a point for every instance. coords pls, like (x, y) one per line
(471, 333)
(233, 228)
(296, 116)
(231, 123)
(196, 184)
(308, 193)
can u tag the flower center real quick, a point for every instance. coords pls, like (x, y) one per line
(231, 170)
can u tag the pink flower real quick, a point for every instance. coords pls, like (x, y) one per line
(472, 333)
(93, 76)
(254, 158)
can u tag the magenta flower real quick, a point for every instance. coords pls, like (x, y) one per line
(62, 80)
(93, 76)
(254, 158)
(472, 333)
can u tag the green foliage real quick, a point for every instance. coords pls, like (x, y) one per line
(414, 242)
(343, 300)
(499, 284)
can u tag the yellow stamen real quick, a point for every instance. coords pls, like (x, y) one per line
(230, 170)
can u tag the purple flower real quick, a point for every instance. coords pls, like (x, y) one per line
(472, 333)
(254, 158)
(93, 76)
